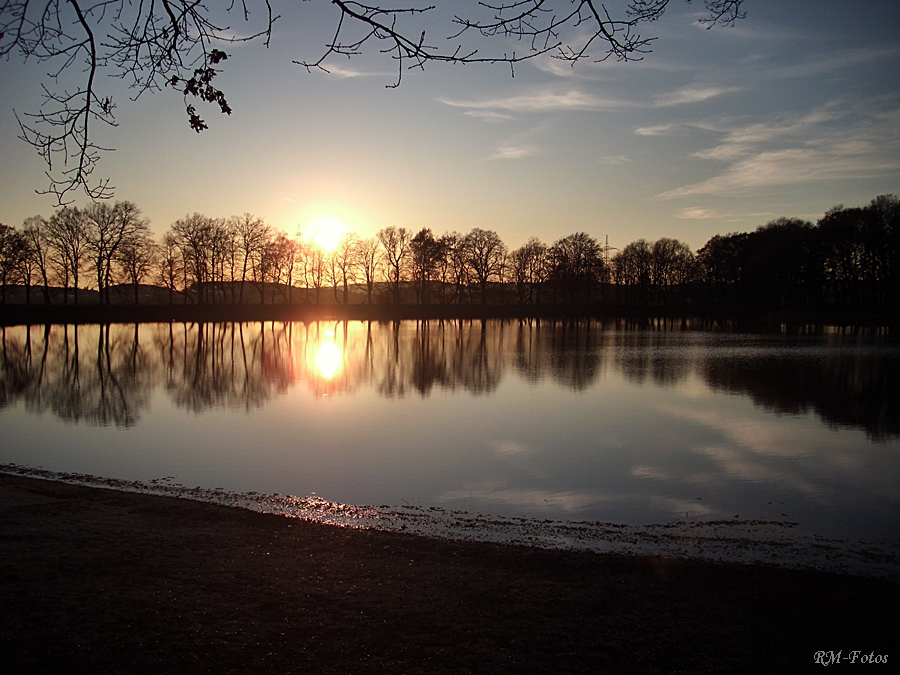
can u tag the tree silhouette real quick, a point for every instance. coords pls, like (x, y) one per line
(485, 253)
(425, 255)
(576, 266)
(35, 231)
(13, 252)
(530, 268)
(179, 44)
(632, 268)
(68, 234)
(847, 260)
(369, 259)
(395, 241)
(136, 257)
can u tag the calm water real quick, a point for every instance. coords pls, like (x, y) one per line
(565, 421)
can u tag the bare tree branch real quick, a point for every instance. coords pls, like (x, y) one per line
(153, 44)
(150, 44)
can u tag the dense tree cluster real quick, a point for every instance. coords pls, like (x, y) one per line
(848, 259)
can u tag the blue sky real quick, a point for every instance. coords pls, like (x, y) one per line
(790, 112)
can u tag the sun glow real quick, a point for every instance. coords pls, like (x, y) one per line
(328, 359)
(326, 232)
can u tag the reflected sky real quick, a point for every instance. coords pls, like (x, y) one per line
(571, 421)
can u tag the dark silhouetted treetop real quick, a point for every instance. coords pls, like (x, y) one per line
(179, 44)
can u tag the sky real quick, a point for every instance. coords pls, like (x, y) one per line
(790, 112)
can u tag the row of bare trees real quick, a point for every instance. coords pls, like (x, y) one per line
(849, 258)
(110, 243)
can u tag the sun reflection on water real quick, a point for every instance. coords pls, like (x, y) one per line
(329, 358)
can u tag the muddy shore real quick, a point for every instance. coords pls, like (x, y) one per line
(102, 581)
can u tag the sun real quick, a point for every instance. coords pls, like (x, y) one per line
(326, 232)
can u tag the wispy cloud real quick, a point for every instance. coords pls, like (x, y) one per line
(543, 100)
(514, 151)
(489, 115)
(673, 128)
(659, 129)
(818, 64)
(558, 67)
(553, 99)
(835, 142)
(786, 167)
(725, 151)
(697, 213)
(341, 71)
(691, 94)
(521, 145)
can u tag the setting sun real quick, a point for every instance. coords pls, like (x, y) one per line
(326, 232)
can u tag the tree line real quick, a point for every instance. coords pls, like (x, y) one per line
(850, 258)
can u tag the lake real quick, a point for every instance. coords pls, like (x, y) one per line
(579, 421)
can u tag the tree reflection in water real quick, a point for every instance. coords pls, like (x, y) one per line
(105, 375)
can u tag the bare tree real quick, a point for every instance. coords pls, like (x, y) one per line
(179, 44)
(200, 240)
(484, 252)
(423, 254)
(68, 234)
(447, 244)
(28, 266)
(369, 252)
(529, 270)
(315, 268)
(109, 227)
(395, 242)
(459, 264)
(251, 234)
(576, 266)
(632, 265)
(136, 257)
(13, 251)
(169, 264)
(287, 251)
(343, 265)
(671, 264)
(280, 253)
(35, 230)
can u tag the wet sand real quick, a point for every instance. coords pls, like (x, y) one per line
(101, 581)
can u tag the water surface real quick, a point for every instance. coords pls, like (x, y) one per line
(569, 421)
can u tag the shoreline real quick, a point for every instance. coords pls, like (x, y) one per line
(38, 314)
(107, 581)
(745, 542)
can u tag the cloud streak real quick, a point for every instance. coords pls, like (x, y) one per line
(546, 100)
(553, 99)
(697, 213)
(514, 152)
(827, 144)
(691, 94)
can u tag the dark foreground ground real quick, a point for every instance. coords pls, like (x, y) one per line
(97, 581)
